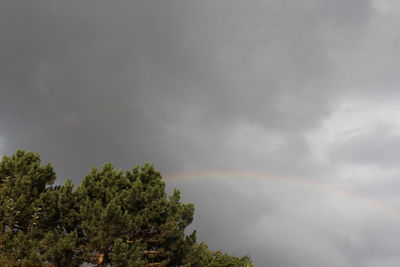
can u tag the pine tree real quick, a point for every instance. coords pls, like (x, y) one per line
(36, 227)
(22, 180)
(132, 207)
(114, 218)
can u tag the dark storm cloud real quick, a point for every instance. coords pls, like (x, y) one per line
(125, 71)
(199, 85)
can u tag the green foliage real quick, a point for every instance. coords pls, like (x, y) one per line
(23, 181)
(201, 255)
(132, 206)
(113, 218)
(127, 255)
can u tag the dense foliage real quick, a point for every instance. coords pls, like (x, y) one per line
(114, 218)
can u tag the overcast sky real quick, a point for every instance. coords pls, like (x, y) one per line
(302, 89)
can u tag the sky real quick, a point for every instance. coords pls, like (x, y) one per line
(278, 119)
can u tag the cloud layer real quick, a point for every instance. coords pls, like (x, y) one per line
(305, 89)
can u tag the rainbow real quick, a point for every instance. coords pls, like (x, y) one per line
(300, 181)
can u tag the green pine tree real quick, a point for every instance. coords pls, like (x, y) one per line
(39, 222)
(114, 218)
(132, 207)
(22, 181)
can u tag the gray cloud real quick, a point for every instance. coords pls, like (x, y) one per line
(376, 146)
(223, 85)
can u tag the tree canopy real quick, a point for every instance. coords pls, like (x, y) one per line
(113, 218)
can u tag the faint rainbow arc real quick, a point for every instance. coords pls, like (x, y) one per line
(324, 187)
